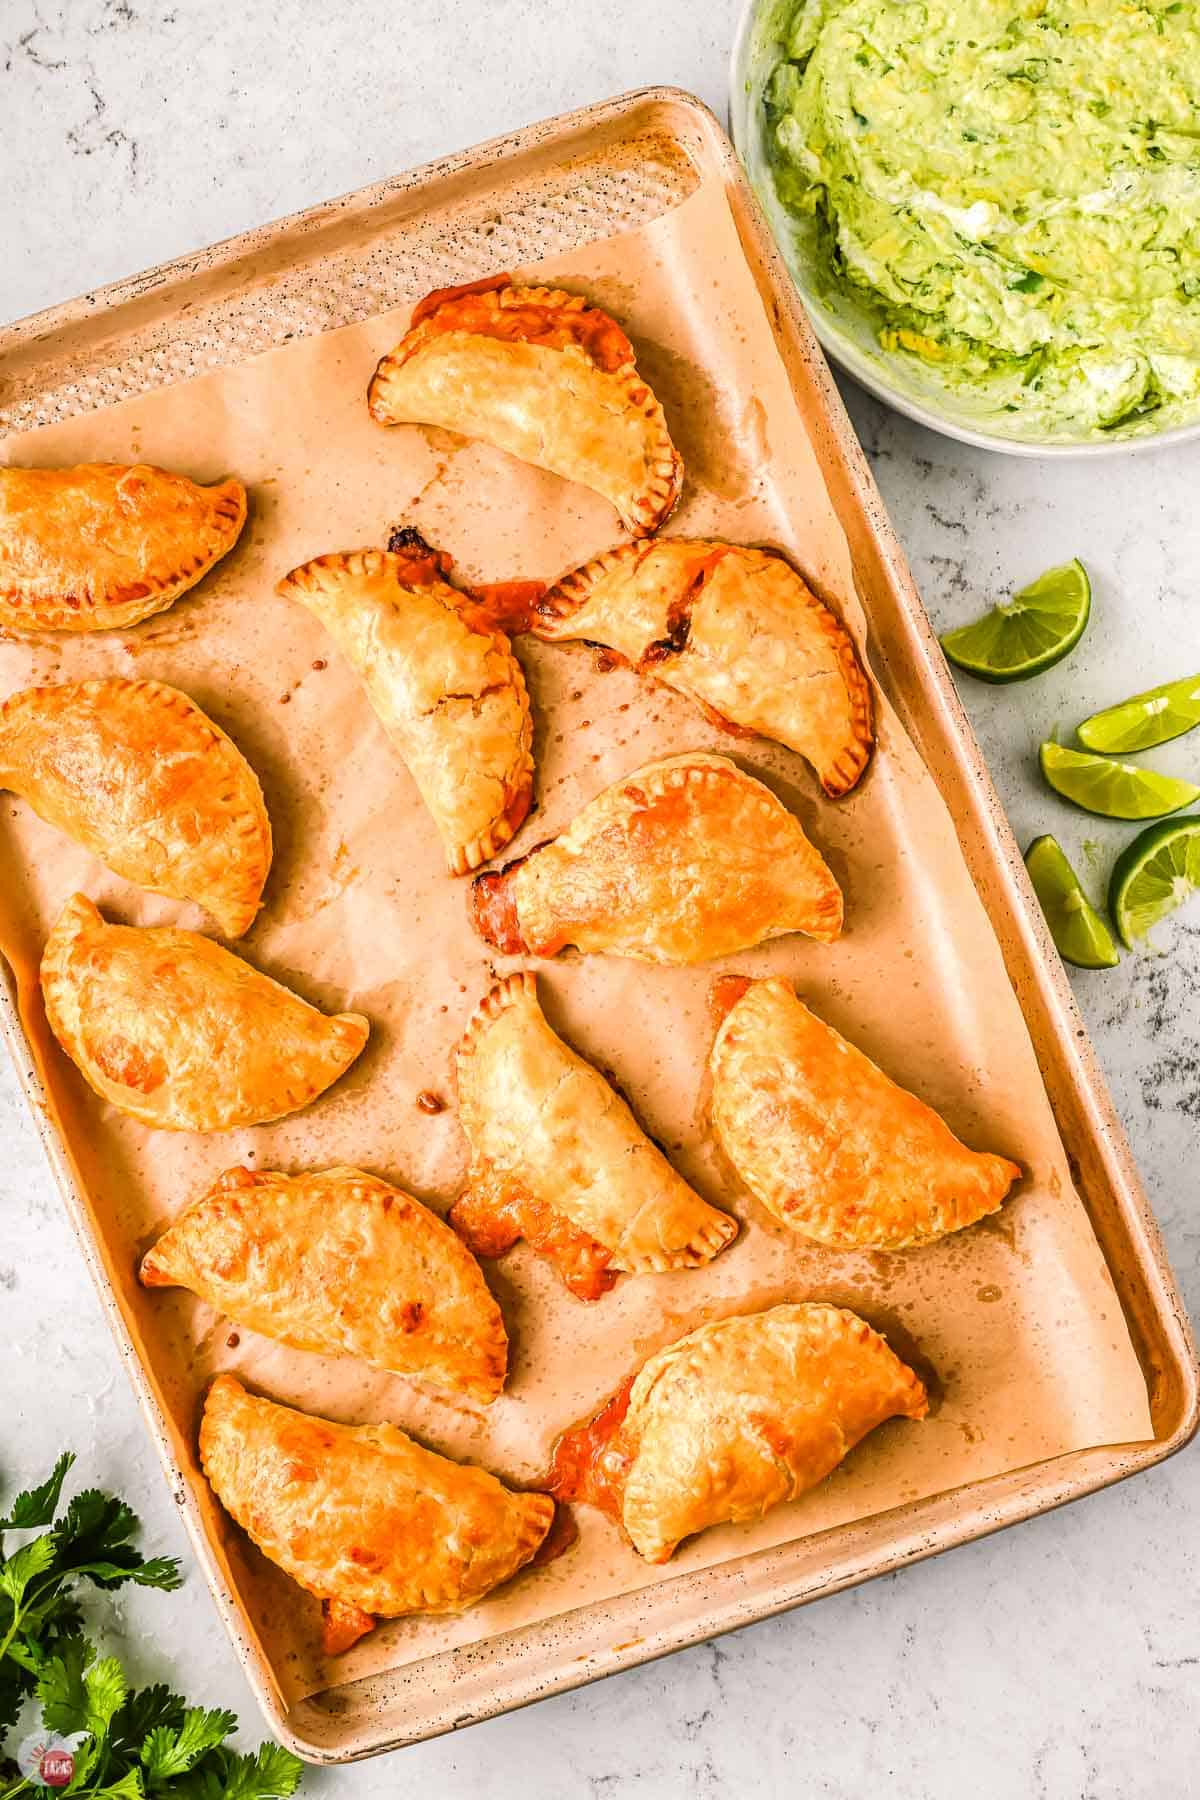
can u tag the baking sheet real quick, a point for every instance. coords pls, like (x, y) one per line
(1015, 1324)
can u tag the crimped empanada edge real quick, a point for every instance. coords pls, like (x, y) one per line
(117, 614)
(320, 574)
(643, 513)
(818, 1224)
(572, 591)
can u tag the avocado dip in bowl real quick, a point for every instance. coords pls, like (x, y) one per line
(991, 207)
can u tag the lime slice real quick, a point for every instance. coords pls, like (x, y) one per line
(1157, 873)
(1080, 934)
(1155, 717)
(1030, 632)
(1115, 790)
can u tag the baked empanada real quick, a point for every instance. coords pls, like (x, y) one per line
(558, 1158)
(104, 545)
(340, 1262)
(543, 375)
(733, 1419)
(737, 630)
(828, 1144)
(685, 860)
(182, 1034)
(443, 681)
(363, 1517)
(135, 772)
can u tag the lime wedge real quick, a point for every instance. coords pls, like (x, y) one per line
(1030, 632)
(1155, 717)
(1080, 934)
(1157, 873)
(1115, 790)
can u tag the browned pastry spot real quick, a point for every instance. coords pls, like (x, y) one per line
(683, 861)
(736, 629)
(543, 375)
(731, 1420)
(362, 1516)
(443, 682)
(558, 1158)
(102, 546)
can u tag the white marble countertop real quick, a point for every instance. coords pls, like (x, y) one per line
(1055, 1660)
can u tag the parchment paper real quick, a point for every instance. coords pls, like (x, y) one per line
(1015, 1323)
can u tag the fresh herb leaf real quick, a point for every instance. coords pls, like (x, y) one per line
(62, 1689)
(93, 1540)
(106, 1689)
(271, 1774)
(144, 1711)
(37, 1506)
(23, 1566)
(129, 1787)
(141, 1745)
(170, 1751)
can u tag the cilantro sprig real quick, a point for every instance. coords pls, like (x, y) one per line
(134, 1744)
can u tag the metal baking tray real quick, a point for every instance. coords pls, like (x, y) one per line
(533, 194)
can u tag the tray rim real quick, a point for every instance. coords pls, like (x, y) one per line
(919, 1529)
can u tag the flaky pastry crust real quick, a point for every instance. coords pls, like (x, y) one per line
(736, 629)
(104, 545)
(362, 1515)
(338, 1261)
(831, 1146)
(182, 1034)
(444, 684)
(135, 772)
(543, 375)
(546, 1128)
(733, 1419)
(684, 860)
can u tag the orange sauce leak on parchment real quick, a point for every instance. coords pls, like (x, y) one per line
(490, 1220)
(342, 1624)
(467, 308)
(590, 1464)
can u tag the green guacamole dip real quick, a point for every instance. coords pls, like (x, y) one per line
(1013, 187)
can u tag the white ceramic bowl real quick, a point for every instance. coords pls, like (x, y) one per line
(845, 329)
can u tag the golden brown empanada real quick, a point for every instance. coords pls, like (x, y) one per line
(182, 1034)
(543, 375)
(736, 629)
(558, 1158)
(733, 1419)
(103, 545)
(363, 1517)
(443, 681)
(135, 772)
(340, 1262)
(828, 1144)
(685, 860)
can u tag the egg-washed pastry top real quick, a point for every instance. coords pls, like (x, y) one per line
(826, 1141)
(182, 1034)
(737, 629)
(558, 1158)
(541, 374)
(732, 1419)
(684, 860)
(442, 680)
(363, 1516)
(135, 772)
(338, 1261)
(104, 545)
